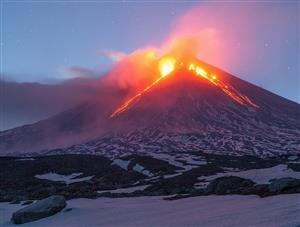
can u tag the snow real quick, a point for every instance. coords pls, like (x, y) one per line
(185, 161)
(171, 159)
(260, 176)
(68, 179)
(293, 157)
(141, 169)
(121, 163)
(294, 162)
(233, 210)
(126, 190)
(25, 159)
(137, 167)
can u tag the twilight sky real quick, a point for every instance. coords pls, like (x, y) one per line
(49, 41)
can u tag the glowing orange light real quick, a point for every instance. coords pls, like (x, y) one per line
(201, 72)
(166, 66)
(191, 67)
(230, 91)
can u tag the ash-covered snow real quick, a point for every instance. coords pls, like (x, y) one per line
(235, 210)
(68, 179)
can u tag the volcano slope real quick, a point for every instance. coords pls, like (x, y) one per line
(183, 112)
(187, 113)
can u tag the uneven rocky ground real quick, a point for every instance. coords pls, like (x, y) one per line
(174, 176)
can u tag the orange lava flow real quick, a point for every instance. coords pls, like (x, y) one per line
(167, 65)
(134, 98)
(229, 90)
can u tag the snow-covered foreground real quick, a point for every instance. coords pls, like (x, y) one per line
(235, 210)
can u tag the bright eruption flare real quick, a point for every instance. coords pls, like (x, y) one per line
(167, 65)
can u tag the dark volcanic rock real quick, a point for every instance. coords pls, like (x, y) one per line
(260, 189)
(286, 184)
(27, 202)
(294, 166)
(181, 184)
(152, 164)
(229, 185)
(41, 209)
(18, 181)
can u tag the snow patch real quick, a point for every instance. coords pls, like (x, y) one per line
(141, 169)
(293, 157)
(25, 159)
(121, 163)
(68, 179)
(259, 176)
(125, 190)
(137, 167)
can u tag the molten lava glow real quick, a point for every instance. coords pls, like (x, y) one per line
(227, 89)
(167, 65)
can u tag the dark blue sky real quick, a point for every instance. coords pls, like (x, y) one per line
(41, 38)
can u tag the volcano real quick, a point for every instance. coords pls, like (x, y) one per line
(190, 107)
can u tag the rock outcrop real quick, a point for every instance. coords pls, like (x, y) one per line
(40, 209)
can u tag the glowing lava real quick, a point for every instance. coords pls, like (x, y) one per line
(167, 65)
(227, 89)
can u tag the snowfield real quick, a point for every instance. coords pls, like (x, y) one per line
(235, 210)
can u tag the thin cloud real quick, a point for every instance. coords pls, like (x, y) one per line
(113, 55)
(71, 72)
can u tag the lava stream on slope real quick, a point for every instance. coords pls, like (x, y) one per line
(167, 66)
